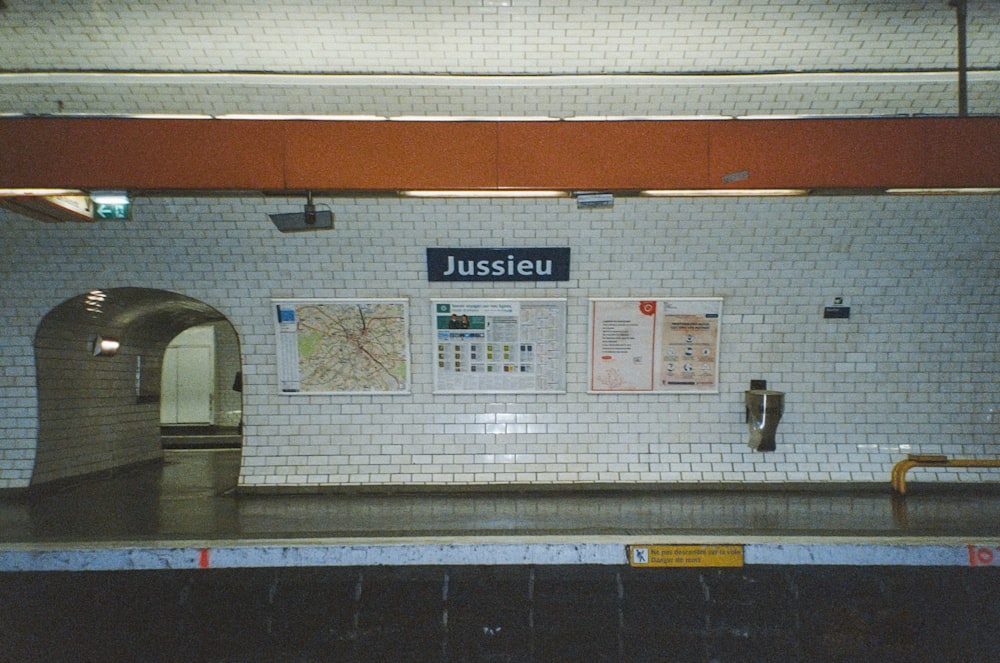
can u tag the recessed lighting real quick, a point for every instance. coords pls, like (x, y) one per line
(471, 118)
(695, 193)
(17, 193)
(944, 191)
(485, 193)
(324, 118)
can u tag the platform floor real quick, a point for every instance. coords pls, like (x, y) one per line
(191, 496)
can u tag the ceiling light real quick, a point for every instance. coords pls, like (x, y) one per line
(48, 204)
(13, 193)
(49, 209)
(110, 197)
(331, 118)
(79, 204)
(695, 193)
(472, 118)
(105, 347)
(644, 118)
(485, 193)
(944, 191)
(162, 116)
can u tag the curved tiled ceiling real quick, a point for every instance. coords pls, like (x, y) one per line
(495, 58)
(490, 37)
(157, 315)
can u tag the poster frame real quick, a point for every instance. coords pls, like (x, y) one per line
(433, 310)
(656, 347)
(404, 302)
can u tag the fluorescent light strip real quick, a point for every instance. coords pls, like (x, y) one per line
(333, 118)
(17, 193)
(167, 116)
(471, 118)
(944, 191)
(486, 80)
(78, 204)
(508, 193)
(131, 116)
(696, 193)
(110, 197)
(644, 118)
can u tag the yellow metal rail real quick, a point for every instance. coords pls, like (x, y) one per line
(900, 469)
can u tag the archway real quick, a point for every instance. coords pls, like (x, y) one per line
(98, 412)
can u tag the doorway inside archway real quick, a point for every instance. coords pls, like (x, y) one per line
(201, 389)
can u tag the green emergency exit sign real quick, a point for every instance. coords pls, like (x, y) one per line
(111, 205)
(112, 211)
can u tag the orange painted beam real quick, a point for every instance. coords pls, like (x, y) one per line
(383, 156)
(842, 153)
(835, 153)
(856, 153)
(273, 155)
(98, 153)
(603, 155)
(961, 151)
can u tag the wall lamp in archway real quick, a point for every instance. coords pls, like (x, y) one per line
(105, 347)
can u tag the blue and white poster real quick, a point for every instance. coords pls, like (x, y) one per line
(499, 345)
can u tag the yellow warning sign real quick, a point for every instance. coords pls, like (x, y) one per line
(684, 555)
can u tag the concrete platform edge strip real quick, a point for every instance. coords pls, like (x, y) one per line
(33, 558)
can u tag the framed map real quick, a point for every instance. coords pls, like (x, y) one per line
(499, 346)
(650, 345)
(343, 346)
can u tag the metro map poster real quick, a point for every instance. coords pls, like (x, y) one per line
(343, 346)
(499, 345)
(649, 345)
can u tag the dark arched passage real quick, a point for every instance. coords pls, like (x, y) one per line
(96, 412)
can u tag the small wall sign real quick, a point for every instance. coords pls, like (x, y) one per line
(667, 556)
(534, 264)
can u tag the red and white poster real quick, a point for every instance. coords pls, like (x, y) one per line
(650, 345)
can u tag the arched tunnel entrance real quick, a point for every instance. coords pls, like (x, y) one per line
(98, 411)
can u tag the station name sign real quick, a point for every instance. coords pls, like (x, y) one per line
(536, 264)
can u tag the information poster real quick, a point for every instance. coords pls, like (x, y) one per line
(655, 345)
(343, 346)
(499, 345)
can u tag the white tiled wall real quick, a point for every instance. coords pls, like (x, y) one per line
(18, 400)
(88, 415)
(913, 370)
